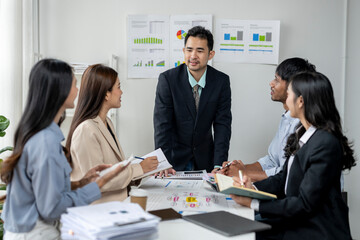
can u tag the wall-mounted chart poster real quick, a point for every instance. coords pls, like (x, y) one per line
(247, 41)
(148, 45)
(179, 26)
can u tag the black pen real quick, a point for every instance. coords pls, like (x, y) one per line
(139, 158)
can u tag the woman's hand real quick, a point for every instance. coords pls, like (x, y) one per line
(246, 182)
(244, 201)
(149, 164)
(110, 175)
(90, 176)
(166, 172)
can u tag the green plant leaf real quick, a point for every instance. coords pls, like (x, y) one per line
(6, 149)
(4, 123)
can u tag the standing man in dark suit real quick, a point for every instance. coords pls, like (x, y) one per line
(192, 102)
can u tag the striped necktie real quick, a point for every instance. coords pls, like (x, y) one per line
(196, 96)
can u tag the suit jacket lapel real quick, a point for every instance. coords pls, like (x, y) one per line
(107, 135)
(187, 92)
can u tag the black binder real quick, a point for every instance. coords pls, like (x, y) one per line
(226, 223)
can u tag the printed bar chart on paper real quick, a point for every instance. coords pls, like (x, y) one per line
(263, 46)
(246, 41)
(148, 40)
(148, 45)
(238, 37)
(178, 63)
(229, 42)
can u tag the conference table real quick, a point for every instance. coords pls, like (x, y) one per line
(190, 197)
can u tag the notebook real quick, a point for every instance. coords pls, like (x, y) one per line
(225, 185)
(166, 214)
(226, 223)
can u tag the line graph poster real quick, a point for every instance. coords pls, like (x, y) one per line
(148, 45)
(179, 26)
(247, 41)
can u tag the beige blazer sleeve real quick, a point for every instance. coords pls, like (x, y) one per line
(92, 144)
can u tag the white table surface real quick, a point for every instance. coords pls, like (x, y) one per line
(181, 229)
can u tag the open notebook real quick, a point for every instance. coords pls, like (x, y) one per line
(225, 185)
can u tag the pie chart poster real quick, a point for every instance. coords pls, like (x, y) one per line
(179, 26)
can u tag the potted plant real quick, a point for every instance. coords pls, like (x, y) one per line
(4, 124)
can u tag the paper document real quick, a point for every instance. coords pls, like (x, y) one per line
(111, 220)
(124, 163)
(163, 162)
(187, 200)
(187, 175)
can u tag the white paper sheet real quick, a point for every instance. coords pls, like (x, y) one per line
(163, 162)
(148, 45)
(179, 26)
(247, 41)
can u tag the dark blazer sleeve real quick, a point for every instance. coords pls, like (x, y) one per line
(163, 116)
(315, 170)
(274, 184)
(222, 124)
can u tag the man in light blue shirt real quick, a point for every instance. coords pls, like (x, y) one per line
(273, 163)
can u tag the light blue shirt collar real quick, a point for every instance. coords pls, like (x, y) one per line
(58, 133)
(193, 82)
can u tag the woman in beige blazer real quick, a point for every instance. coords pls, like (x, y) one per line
(92, 139)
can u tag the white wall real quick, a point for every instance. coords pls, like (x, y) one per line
(10, 67)
(352, 113)
(91, 30)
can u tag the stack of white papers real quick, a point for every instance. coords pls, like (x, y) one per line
(112, 220)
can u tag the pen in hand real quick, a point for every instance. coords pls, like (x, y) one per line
(228, 164)
(241, 178)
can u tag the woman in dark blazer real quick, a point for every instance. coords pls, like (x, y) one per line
(309, 204)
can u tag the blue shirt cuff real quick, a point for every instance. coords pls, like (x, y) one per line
(91, 192)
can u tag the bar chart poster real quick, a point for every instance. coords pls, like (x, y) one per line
(245, 41)
(263, 42)
(179, 26)
(230, 41)
(148, 45)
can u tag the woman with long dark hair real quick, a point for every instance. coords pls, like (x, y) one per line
(309, 204)
(92, 139)
(37, 172)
